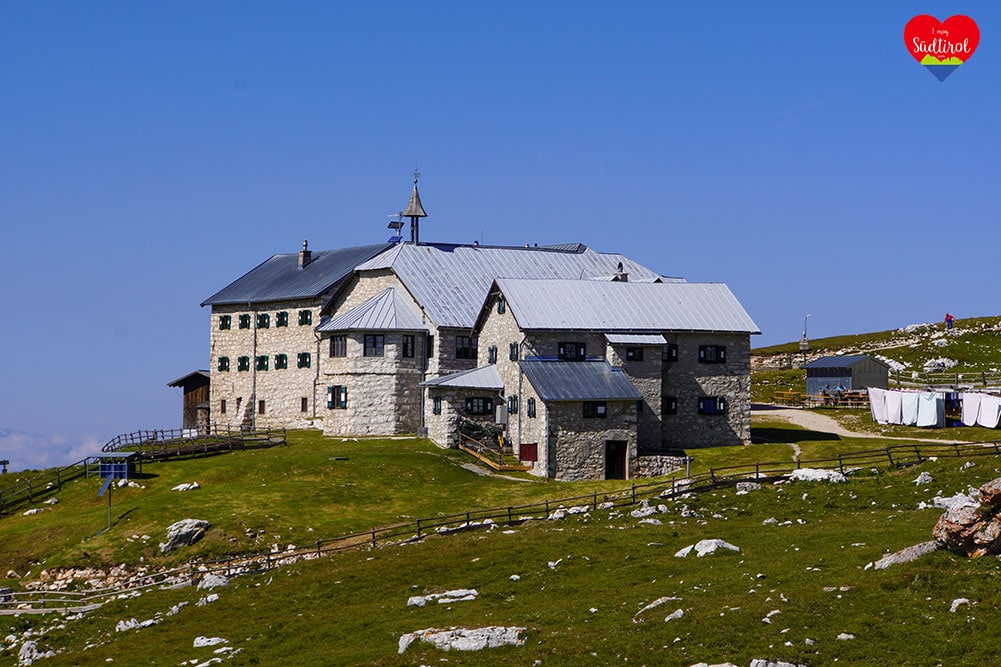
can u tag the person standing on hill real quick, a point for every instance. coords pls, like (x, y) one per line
(948, 321)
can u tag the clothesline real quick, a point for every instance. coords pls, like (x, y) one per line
(927, 409)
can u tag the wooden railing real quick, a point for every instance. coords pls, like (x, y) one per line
(167, 443)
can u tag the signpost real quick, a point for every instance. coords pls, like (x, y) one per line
(107, 488)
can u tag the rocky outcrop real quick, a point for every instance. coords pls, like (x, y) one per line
(184, 533)
(973, 529)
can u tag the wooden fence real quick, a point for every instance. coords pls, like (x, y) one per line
(715, 478)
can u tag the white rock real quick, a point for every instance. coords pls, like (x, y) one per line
(844, 636)
(125, 626)
(459, 595)
(202, 642)
(210, 581)
(465, 639)
(189, 486)
(31, 512)
(675, 615)
(553, 563)
(957, 603)
(52, 501)
(956, 501)
(184, 533)
(683, 553)
(924, 478)
(817, 475)
(515, 577)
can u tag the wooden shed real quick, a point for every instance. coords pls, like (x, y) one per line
(195, 413)
(855, 372)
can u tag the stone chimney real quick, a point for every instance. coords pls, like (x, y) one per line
(621, 275)
(305, 256)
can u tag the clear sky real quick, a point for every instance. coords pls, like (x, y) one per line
(150, 153)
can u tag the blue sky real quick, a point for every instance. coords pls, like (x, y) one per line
(153, 152)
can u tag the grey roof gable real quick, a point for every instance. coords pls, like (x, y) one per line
(451, 282)
(579, 381)
(484, 377)
(625, 306)
(280, 278)
(387, 311)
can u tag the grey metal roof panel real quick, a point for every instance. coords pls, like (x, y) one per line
(451, 282)
(279, 277)
(388, 310)
(635, 339)
(484, 377)
(579, 381)
(839, 361)
(625, 306)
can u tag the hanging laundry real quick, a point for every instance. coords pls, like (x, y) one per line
(931, 410)
(971, 408)
(909, 408)
(990, 409)
(893, 407)
(877, 404)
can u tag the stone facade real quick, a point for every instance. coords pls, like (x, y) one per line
(577, 446)
(236, 395)
(442, 425)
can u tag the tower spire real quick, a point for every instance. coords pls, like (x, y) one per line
(415, 211)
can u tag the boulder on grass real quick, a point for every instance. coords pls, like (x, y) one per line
(184, 533)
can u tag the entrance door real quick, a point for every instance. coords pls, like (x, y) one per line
(615, 459)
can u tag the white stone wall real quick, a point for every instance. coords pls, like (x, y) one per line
(282, 390)
(577, 445)
(647, 376)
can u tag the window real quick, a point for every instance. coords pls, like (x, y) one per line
(243, 363)
(512, 405)
(244, 321)
(501, 306)
(339, 346)
(304, 405)
(281, 361)
(572, 351)
(430, 350)
(634, 354)
(261, 363)
(436, 405)
(337, 397)
(375, 345)
(408, 346)
(222, 406)
(260, 407)
(225, 322)
(528, 451)
(712, 405)
(263, 320)
(595, 410)
(479, 405)
(712, 354)
(305, 317)
(492, 354)
(669, 405)
(281, 319)
(465, 347)
(669, 352)
(639, 405)
(223, 364)
(530, 407)
(302, 360)
(512, 351)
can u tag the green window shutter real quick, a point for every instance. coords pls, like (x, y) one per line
(330, 398)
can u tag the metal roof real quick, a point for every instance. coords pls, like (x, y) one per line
(451, 282)
(579, 381)
(390, 310)
(625, 306)
(840, 361)
(280, 278)
(484, 377)
(193, 375)
(635, 339)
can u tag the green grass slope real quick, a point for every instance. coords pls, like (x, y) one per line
(796, 585)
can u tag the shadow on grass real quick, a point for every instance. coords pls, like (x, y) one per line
(761, 435)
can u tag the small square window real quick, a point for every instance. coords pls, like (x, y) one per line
(223, 364)
(337, 397)
(302, 360)
(375, 345)
(245, 321)
(669, 352)
(465, 347)
(572, 351)
(712, 354)
(408, 346)
(305, 317)
(281, 319)
(225, 322)
(595, 410)
(263, 320)
(339, 346)
(634, 354)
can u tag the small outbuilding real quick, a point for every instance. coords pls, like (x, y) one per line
(855, 372)
(195, 413)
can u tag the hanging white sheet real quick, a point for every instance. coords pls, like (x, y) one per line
(971, 408)
(931, 410)
(990, 409)
(893, 407)
(909, 408)
(877, 404)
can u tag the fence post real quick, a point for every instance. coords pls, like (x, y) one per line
(373, 538)
(917, 452)
(889, 456)
(418, 529)
(594, 501)
(841, 464)
(634, 493)
(318, 551)
(712, 475)
(509, 515)
(59, 480)
(757, 475)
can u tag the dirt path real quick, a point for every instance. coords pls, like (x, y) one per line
(815, 421)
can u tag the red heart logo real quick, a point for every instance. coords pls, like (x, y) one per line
(941, 46)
